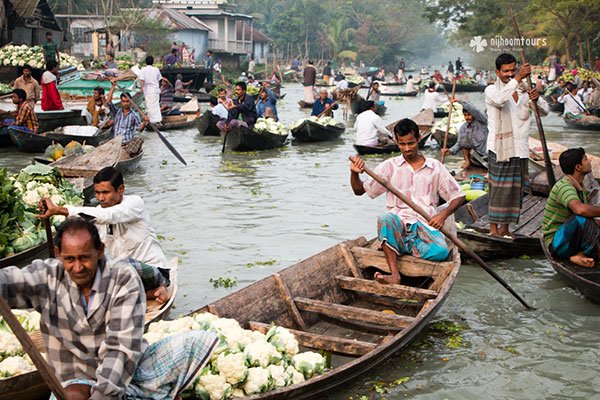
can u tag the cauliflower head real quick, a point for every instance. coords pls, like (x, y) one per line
(279, 377)
(309, 363)
(232, 367)
(293, 376)
(258, 381)
(214, 386)
(283, 340)
(15, 365)
(261, 354)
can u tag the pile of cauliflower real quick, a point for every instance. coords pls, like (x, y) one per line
(19, 55)
(325, 121)
(13, 360)
(458, 119)
(271, 126)
(245, 362)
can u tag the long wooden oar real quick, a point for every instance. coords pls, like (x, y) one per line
(536, 111)
(29, 347)
(459, 243)
(449, 120)
(161, 136)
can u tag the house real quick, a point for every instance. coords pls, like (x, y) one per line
(186, 29)
(27, 22)
(88, 34)
(222, 20)
(262, 45)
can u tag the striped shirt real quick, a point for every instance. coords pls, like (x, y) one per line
(557, 209)
(103, 346)
(424, 187)
(27, 118)
(125, 125)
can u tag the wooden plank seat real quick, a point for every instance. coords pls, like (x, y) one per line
(323, 342)
(407, 265)
(395, 291)
(349, 313)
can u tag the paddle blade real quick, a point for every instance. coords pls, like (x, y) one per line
(169, 145)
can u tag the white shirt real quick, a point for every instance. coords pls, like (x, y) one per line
(524, 122)
(367, 125)
(342, 85)
(151, 77)
(431, 100)
(519, 112)
(220, 110)
(126, 232)
(584, 94)
(48, 77)
(572, 103)
(410, 84)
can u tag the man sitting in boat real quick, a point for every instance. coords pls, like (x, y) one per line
(124, 225)
(25, 118)
(438, 77)
(370, 129)
(180, 85)
(375, 94)
(569, 227)
(97, 110)
(29, 85)
(92, 318)
(472, 135)
(243, 107)
(401, 230)
(432, 98)
(224, 99)
(126, 122)
(342, 84)
(410, 84)
(50, 97)
(267, 105)
(166, 98)
(324, 105)
(217, 108)
(574, 108)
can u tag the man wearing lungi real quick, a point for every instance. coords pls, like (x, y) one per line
(401, 230)
(507, 147)
(569, 228)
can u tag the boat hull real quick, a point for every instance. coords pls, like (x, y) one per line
(243, 139)
(310, 131)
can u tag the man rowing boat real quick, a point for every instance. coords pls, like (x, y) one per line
(92, 322)
(401, 230)
(124, 225)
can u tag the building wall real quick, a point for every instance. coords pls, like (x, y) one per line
(261, 51)
(195, 39)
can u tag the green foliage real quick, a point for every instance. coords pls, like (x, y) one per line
(11, 212)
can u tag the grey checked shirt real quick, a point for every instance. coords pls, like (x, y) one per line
(104, 346)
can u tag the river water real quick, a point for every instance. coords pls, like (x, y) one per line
(246, 216)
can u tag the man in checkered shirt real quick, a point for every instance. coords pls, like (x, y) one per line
(92, 322)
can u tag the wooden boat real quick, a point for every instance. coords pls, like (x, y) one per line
(37, 143)
(555, 105)
(175, 122)
(465, 88)
(330, 302)
(310, 131)
(31, 386)
(105, 155)
(41, 250)
(584, 280)
(526, 233)
(241, 138)
(304, 104)
(586, 123)
(5, 140)
(440, 113)
(401, 93)
(207, 124)
(439, 134)
(365, 150)
(358, 104)
(424, 121)
(51, 120)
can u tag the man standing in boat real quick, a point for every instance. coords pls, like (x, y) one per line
(150, 77)
(401, 230)
(92, 321)
(29, 85)
(126, 122)
(507, 143)
(569, 228)
(51, 100)
(124, 225)
(309, 81)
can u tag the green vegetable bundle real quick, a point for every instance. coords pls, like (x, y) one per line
(12, 213)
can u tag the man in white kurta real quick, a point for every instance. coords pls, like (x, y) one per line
(432, 99)
(150, 77)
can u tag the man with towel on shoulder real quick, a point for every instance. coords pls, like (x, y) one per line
(507, 144)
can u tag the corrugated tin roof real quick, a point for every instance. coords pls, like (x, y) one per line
(257, 36)
(25, 8)
(177, 20)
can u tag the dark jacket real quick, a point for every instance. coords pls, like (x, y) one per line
(310, 76)
(246, 108)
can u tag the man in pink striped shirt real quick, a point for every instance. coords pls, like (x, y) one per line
(424, 180)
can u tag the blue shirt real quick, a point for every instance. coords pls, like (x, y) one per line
(125, 125)
(95, 287)
(319, 106)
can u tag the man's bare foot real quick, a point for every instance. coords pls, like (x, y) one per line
(466, 165)
(388, 279)
(582, 260)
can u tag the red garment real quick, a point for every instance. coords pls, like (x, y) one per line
(50, 97)
(597, 65)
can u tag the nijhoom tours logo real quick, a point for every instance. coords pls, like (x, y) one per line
(501, 43)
